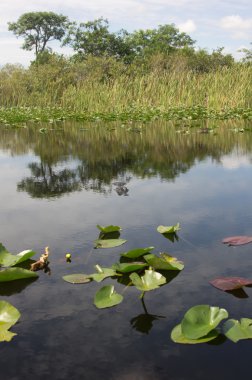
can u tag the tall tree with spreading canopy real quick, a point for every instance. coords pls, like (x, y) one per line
(165, 39)
(94, 38)
(38, 28)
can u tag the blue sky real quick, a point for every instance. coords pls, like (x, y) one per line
(211, 23)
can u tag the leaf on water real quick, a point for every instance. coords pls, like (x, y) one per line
(12, 274)
(108, 229)
(9, 315)
(102, 273)
(230, 283)
(201, 319)
(128, 267)
(8, 260)
(77, 278)
(168, 229)
(237, 240)
(165, 262)
(178, 337)
(149, 281)
(109, 243)
(138, 252)
(107, 297)
(235, 330)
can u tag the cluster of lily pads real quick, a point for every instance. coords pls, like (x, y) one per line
(10, 271)
(138, 267)
(199, 325)
(11, 116)
(200, 322)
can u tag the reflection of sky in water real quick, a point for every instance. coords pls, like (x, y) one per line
(62, 335)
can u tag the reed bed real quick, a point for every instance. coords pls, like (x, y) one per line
(67, 87)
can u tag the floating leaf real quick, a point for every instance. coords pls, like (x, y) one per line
(108, 229)
(235, 330)
(8, 260)
(201, 319)
(165, 262)
(102, 273)
(109, 243)
(128, 267)
(12, 274)
(138, 252)
(237, 240)
(149, 281)
(168, 229)
(107, 297)
(77, 278)
(230, 283)
(9, 315)
(178, 337)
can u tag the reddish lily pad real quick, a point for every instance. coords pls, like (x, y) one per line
(237, 240)
(230, 283)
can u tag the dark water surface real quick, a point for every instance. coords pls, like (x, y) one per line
(55, 188)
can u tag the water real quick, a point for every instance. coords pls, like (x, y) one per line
(55, 188)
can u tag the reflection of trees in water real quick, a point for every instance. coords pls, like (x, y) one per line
(47, 182)
(102, 158)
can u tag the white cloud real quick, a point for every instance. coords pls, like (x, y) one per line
(188, 26)
(236, 22)
(239, 27)
(232, 163)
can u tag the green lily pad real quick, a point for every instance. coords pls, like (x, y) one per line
(165, 262)
(108, 229)
(168, 229)
(138, 252)
(8, 260)
(9, 315)
(102, 273)
(235, 330)
(77, 278)
(178, 337)
(12, 274)
(109, 243)
(107, 297)
(201, 319)
(128, 267)
(149, 281)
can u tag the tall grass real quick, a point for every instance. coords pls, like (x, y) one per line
(113, 88)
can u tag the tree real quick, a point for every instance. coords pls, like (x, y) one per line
(38, 28)
(165, 39)
(93, 38)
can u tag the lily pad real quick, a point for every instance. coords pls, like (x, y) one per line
(12, 274)
(109, 243)
(108, 229)
(9, 315)
(128, 267)
(201, 319)
(165, 262)
(107, 297)
(230, 283)
(8, 260)
(237, 240)
(168, 229)
(102, 273)
(178, 337)
(235, 330)
(77, 278)
(149, 281)
(138, 252)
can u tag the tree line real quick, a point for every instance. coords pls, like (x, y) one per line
(93, 38)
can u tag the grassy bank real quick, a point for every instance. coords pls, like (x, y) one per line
(107, 89)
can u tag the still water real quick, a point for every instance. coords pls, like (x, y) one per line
(57, 186)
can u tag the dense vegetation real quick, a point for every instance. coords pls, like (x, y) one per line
(120, 72)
